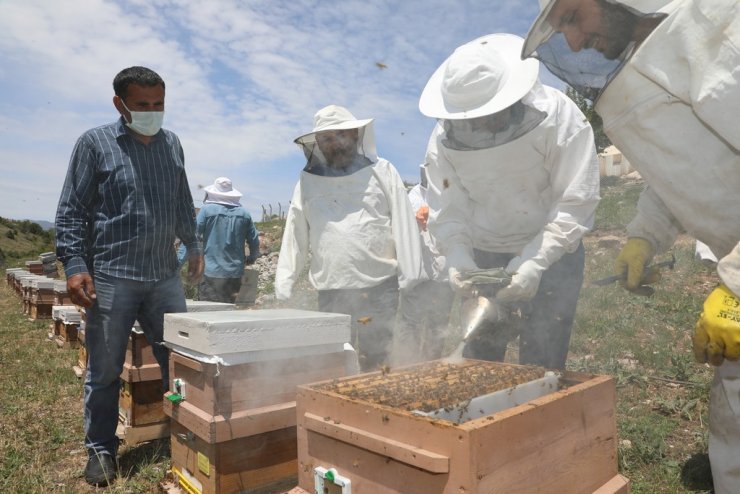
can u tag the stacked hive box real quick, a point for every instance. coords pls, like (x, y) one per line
(11, 273)
(35, 267)
(49, 264)
(61, 297)
(65, 326)
(232, 399)
(141, 417)
(41, 298)
(27, 290)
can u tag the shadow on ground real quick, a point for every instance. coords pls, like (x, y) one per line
(696, 473)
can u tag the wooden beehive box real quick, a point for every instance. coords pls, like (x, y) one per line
(61, 297)
(235, 430)
(35, 267)
(262, 463)
(140, 403)
(366, 428)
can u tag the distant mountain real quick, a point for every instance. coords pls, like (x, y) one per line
(46, 225)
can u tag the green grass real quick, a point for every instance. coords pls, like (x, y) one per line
(643, 343)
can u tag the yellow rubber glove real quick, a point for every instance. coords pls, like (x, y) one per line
(632, 260)
(717, 333)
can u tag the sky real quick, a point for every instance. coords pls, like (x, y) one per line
(243, 80)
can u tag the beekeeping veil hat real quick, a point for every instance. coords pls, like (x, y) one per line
(588, 71)
(480, 78)
(222, 192)
(334, 117)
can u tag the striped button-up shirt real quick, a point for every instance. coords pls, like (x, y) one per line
(122, 205)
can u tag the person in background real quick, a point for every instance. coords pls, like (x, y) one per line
(124, 201)
(664, 79)
(225, 227)
(350, 212)
(425, 309)
(513, 184)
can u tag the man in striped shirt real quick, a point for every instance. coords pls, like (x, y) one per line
(124, 200)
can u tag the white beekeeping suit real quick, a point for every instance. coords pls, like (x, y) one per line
(357, 223)
(670, 102)
(350, 211)
(513, 178)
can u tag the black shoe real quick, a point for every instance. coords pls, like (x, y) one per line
(100, 470)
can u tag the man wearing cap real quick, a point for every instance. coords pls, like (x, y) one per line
(513, 183)
(351, 212)
(124, 200)
(664, 77)
(225, 227)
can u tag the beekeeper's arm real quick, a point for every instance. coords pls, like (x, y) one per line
(449, 209)
(403, 226)
(652, 230)
(574, 177)
(294, 248)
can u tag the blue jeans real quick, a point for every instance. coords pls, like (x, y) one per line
(119, 304)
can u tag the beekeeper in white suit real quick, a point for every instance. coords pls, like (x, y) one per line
(351, 212)
(513, 183)
(665, 77)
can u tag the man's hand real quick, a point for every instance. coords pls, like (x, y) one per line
(717, 333)
(632, 260)
(81, 289)
(523, 286)
(195, 269)
(464, 288)
(422, 217)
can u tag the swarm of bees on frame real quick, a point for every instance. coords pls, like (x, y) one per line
(433, 385)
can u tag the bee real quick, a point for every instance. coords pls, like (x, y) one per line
(384, 369)
(364, 319)
(446, 184)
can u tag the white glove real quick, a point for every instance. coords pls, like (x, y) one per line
(524, 282)
(458, 285)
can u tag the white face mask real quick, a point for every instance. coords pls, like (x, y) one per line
(146, 123)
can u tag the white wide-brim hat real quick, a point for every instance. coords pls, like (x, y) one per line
(332, 117)
(480, 78)
(541, 29)
(222, 189)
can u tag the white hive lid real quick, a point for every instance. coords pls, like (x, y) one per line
(236, 331)
(205, 306)
(43, 283)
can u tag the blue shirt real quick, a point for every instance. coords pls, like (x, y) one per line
(224, 231)
(122, 205)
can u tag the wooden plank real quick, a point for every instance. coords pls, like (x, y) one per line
(143, 433)
(566, 435)
(146, 372)
(616, 485)
(406, 453)
(220, 428)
